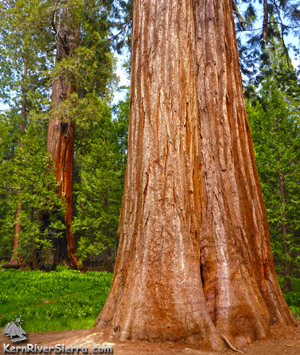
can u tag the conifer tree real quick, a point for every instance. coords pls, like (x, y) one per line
(101, 167)
(274, 118)
(81, 74)
(23, 58)
(26, 180)
(279, 18)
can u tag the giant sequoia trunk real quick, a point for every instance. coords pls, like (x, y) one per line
(61, 131)
(194, 259)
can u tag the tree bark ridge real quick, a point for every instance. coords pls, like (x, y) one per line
(159, 233)
(240, 285)
(194, 259)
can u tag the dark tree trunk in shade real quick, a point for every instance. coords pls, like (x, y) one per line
(265, 22)
(194, 259)
(108, 257)
(16, 258)
(61, 133)
(287, 268)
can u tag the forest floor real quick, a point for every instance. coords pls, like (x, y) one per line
(283, 340)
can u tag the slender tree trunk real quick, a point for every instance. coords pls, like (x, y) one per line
(61, 131)
(194, 259)
(16, 258)
(287, 267)
(34, 257)
(107, 263)
(265, 22)
(238, 15)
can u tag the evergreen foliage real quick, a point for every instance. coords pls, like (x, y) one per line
(274, 117)
(27, 53)
(27, 71)
(27, 180)
(258, 23)
(101, 164)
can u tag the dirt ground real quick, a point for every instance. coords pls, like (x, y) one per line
(283, 340)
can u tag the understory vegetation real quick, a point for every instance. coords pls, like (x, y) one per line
(52, 301)
(292, 298)
(69, 299)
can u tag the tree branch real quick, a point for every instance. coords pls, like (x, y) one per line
(238, 15)
(281, 32)
(53, 21)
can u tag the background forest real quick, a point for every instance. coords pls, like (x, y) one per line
(58, 69)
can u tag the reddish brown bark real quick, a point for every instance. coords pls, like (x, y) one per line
(61, 136)
(194, 259)
(16, 258)
(240, 285)
(61, 131)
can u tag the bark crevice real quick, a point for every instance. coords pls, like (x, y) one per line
(194, 246)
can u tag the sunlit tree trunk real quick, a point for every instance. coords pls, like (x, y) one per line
(240, 284)
(61, 131)
(194, 260)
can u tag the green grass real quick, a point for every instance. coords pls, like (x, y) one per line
(54, 300)
(68, 299)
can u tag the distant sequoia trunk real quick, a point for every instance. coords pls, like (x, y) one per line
(61, 131)
(194, 261)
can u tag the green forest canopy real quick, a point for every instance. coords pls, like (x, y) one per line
(29, 204)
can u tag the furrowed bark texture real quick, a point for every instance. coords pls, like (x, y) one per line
(60, 145)
(240, 285)
(61, 136)
(157, 290)
(194, 259)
